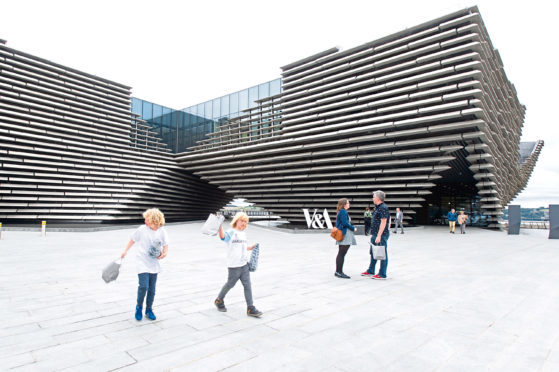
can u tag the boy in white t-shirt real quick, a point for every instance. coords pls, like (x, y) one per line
(152, 245)
(237, 262)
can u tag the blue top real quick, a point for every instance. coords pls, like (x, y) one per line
(342, 221)
(451, 216)
(381, 212)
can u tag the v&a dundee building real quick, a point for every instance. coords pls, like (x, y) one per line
(426, 115)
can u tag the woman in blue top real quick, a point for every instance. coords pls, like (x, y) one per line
(452, 216)
(343, 222)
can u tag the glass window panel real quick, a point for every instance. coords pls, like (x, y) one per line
(147, 110)
(199, 112)
(243, 100)
(252, 96)
(264, 90)
(136, 106)
(157, 113)
(224, 106)
(234, 102)
(208, 110)
(216, 110)
(167, 118)
(275, 87)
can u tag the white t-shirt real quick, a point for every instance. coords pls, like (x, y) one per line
(237, 255)
(143, 238)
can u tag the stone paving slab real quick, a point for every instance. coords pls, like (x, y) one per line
(484, 300)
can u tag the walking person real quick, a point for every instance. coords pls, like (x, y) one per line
(367, 216)
(452, 217)
(380, 232)
(462, 218)
(343, 222)
(399, 221)
(237, 263)
(152, 245)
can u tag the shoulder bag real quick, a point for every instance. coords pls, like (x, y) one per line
(337, 234)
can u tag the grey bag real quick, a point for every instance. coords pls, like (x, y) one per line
(212, 225)
(379, 252)
(253, 262)
(111, 272)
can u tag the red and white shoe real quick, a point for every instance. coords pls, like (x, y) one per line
(366, 273)
(378, 277)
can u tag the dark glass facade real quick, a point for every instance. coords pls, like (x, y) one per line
(181, 129)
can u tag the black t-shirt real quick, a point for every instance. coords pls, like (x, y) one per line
(381, 212)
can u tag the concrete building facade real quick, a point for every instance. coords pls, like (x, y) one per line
(427, 115)
(72, 151)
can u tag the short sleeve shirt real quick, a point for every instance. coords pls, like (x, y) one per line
(237, 255)
(380, 212)
(143, 238)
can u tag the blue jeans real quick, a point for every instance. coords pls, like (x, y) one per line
(146, 283)
(383, 263)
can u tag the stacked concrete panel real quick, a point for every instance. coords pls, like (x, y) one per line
(402, 114)
(70, 150)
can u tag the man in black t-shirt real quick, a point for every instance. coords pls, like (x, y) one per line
(379, 234)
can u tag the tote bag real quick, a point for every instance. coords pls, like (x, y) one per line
(379, 252)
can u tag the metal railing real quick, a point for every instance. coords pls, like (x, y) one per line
(526, 224)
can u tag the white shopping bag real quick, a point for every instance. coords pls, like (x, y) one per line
(212, 225)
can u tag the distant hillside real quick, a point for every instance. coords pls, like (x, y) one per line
(532, 214)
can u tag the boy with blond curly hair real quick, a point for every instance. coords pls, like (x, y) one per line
(152, 245)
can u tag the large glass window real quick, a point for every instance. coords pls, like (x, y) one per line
(181, 129)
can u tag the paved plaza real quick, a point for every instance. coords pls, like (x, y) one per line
(480, 301)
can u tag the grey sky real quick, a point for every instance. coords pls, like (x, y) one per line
(179, 53)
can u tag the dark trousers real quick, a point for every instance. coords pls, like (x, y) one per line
(342, 250)
(146, 283)
(368, 225)
(236, 273)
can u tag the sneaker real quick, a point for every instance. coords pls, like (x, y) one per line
(138, 314)
(342, 275)
(150, 314)
(252, 311)
(366, 273)
(220, 305)
(378, 277)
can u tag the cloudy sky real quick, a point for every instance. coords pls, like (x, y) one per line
(179, 53)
